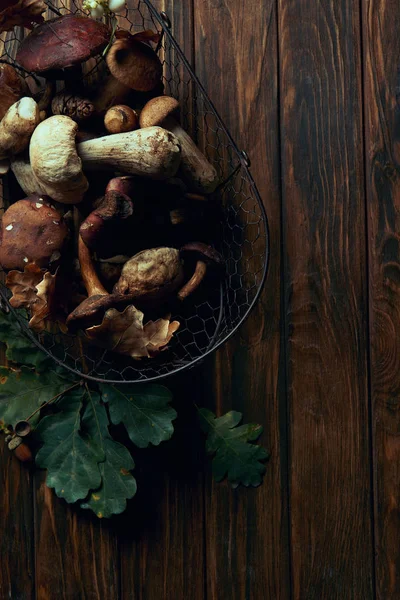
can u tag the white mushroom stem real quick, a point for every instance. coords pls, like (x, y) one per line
(17, 126)
(197, 171)
(4, 167)
(149, 152)
(21, 167)
(55, 162)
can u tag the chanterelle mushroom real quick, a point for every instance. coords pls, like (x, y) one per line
(31, 231)
(156, 274)
(55, 162)
(134, 63)
(199, 174)
(17, 126)
(61, 43)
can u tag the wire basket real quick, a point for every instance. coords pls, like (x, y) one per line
(214, 314)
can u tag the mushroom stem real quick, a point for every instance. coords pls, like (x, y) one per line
(92, 283)
(197, 171)
(194, 281)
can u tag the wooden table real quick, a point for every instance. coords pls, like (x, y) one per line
(310, 88)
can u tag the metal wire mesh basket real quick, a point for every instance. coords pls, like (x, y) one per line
(241, 234)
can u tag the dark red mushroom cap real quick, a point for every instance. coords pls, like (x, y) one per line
(62, 43)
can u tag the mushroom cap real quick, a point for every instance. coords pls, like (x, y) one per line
(157, 110)
(11, 88)
(203, 252)
(55, 162)
(134, 63)
(61, 43)
(92, 310)
(32, 230)
(155, 274)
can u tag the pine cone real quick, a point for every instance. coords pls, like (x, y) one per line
(70, 105)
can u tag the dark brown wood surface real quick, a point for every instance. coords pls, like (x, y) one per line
(311, 90)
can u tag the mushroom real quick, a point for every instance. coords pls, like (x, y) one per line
(12, 88)
(134, 63)
(62, 43)
(21, 167)
(154, 274)
(17, 126)
(111, 92)
(206, 257)
(121, 118)
(152, 152)
(55, 162)
(199, 174)
(91, 311)
(31, 231)
(102, 230)
(4, 166)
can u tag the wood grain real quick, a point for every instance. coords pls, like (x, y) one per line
(381, 21)
(325, 295)
(246, 530)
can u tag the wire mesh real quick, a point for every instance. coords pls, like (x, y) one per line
(240, 233)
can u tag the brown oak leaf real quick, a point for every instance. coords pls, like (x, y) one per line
(22, 13)
(23, 285)
(44, 310)
(123, 332)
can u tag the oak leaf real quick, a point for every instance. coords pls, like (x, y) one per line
(22, 13)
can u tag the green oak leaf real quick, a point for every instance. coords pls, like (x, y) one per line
(22, 391)
(143, 409)
(117, 483)
(20, 349)
(234, 455)
(69, 453)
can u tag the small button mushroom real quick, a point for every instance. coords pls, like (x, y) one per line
(57, 166)
(31, 231)
(197, 171)
(62, 43)
(121, 118)
(134, 63)
(12, 88)
(206, 257)
(17, 126)
(154, 274)
(102, 229)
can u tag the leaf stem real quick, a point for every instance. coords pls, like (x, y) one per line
(53, 398)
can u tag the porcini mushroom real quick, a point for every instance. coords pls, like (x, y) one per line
(152, 152)
(91, 311)
(121, 118)
(31, 231)
(55, 162)
(197, 171)
(12, 88)
(154, 274)
(134, 63)
(101, 230)
(62, 43)
(17, 126)
(21, 167)
(206, 257)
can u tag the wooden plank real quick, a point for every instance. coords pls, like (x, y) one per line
(381, 22)
(76, 554)
(17, 575)
(325, 293)
(162, 550)
(246, 530)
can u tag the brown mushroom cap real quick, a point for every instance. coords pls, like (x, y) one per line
(31, 231)
(157, 110)
(61, 43)
(134, 63)
(92, 310)
(11, 88)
